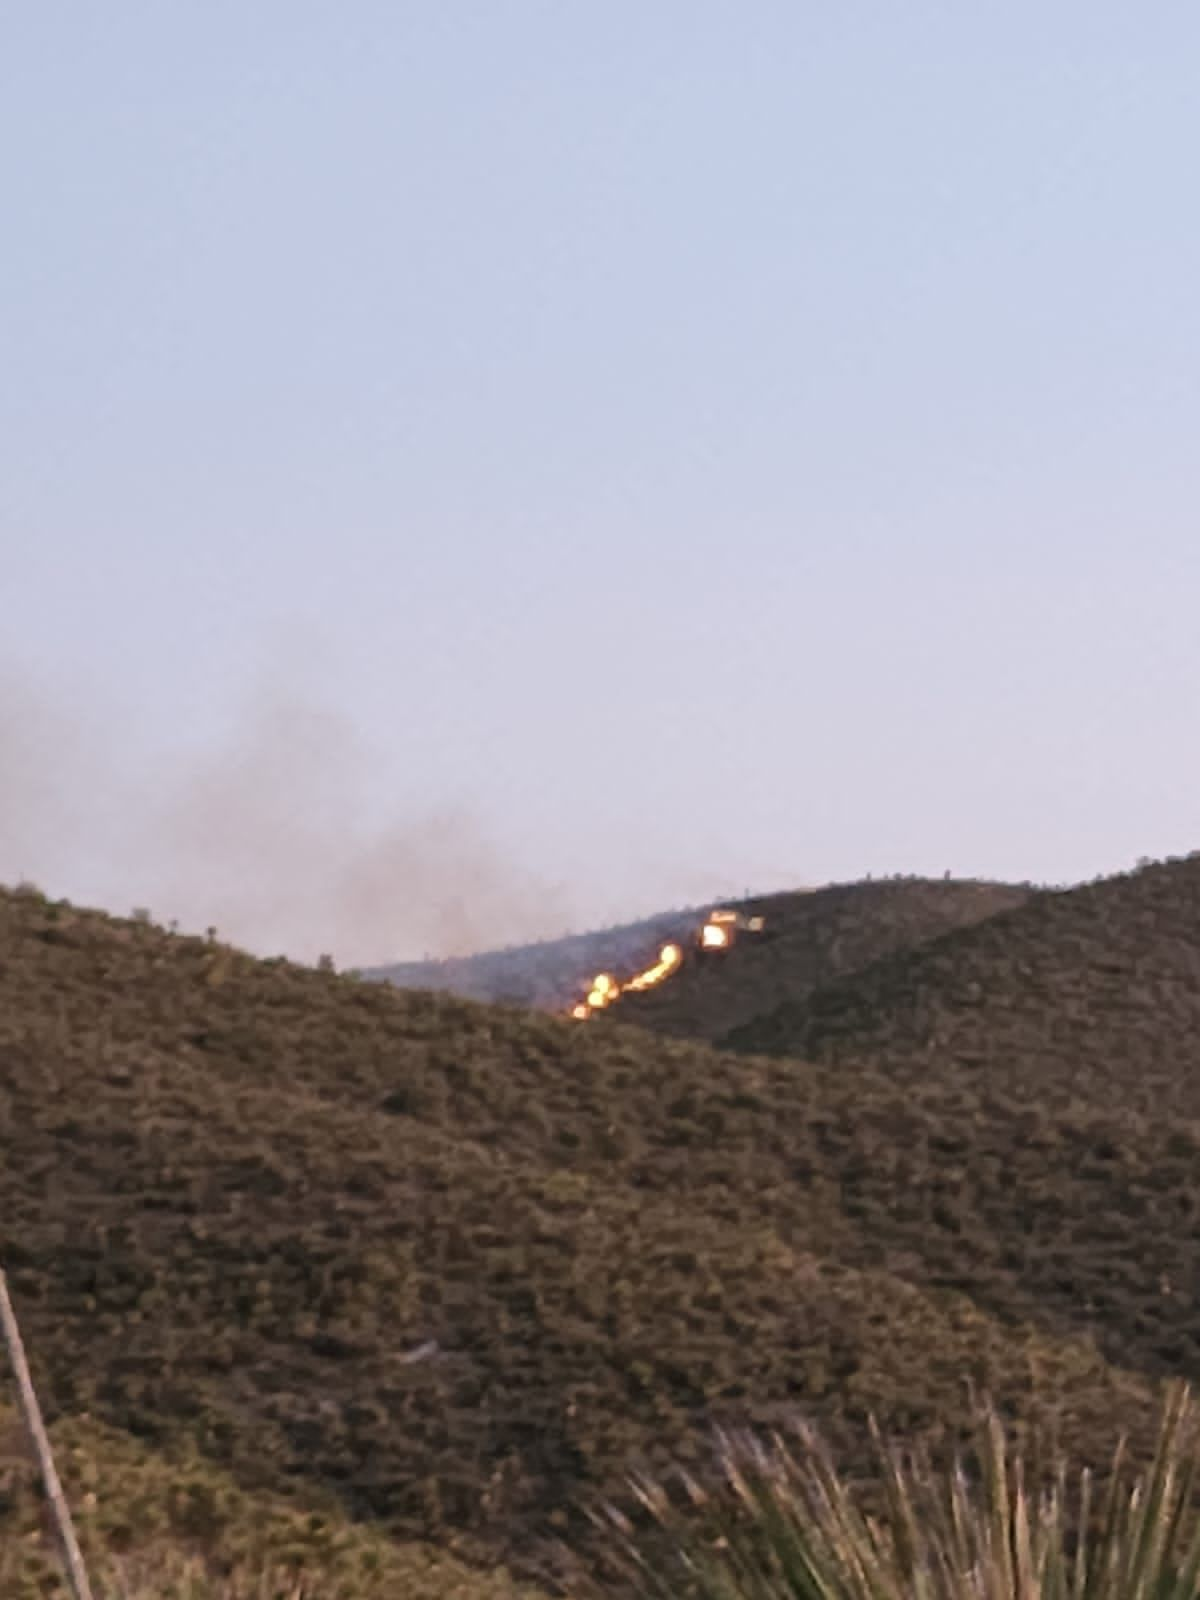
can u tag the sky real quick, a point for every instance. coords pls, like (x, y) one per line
(480, 468)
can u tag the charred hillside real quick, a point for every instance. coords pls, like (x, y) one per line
(454, 1268)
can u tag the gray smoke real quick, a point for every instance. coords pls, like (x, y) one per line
(276, 837)
(50, 767)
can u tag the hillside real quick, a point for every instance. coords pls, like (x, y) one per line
(812, 936)
(455, 1268)
(811, 939)
(550, 975)
(1088, 997)
(143, 1514)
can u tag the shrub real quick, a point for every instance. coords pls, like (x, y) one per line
(781, 1523)
(171, 1578)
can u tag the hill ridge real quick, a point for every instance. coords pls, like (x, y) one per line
(1057, 977)
(809, 940)
(238, 1196)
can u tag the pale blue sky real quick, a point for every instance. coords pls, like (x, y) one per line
(697, 445)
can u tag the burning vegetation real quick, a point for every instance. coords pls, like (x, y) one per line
(716, 933)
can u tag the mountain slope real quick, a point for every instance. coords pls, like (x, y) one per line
(809, 940)
(139, 1512)
(1089, 996)
(551, 974)
(812, 936)
(457, 1267)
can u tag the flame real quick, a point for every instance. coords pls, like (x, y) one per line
(669, 958)
(604, 991)
(716, 934)
(605, 988)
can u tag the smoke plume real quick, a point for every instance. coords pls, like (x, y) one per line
(277, 837)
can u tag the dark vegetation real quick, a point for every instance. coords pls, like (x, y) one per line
(449, 1270)
(152, 1525)
(812, 937)
(1083, 997)
(809, 940)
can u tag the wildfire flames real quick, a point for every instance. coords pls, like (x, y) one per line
(605, 988)
(716, 934)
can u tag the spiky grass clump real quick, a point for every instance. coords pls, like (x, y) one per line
(781, 1523)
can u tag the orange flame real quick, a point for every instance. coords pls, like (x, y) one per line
(669, 958)
(716, 933)
(605, 988)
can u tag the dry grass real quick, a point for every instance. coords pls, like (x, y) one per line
(779, 1520)
(783, 1523)
(170, 1576)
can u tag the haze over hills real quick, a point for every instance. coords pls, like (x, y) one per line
(451, 1268)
